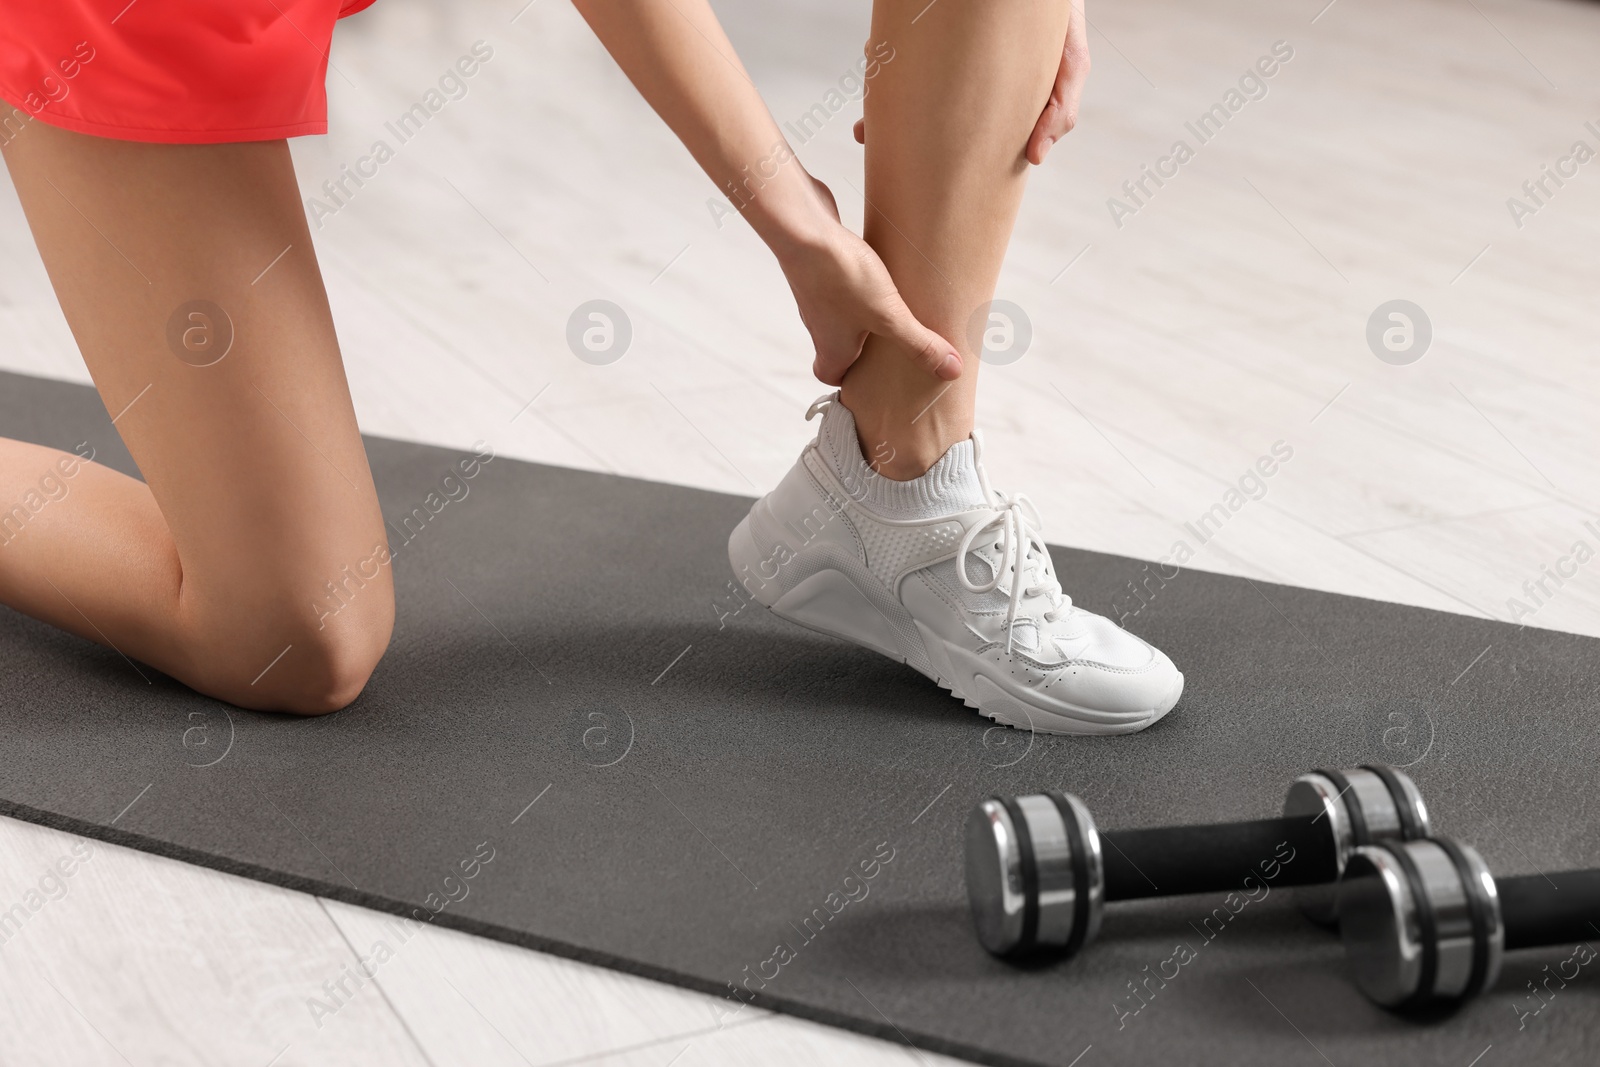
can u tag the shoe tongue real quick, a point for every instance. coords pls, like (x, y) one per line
(949, 486)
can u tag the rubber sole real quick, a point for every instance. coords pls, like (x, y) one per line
(828, 602)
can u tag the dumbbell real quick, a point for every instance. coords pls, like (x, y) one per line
(1039, 872)
(1424, 922)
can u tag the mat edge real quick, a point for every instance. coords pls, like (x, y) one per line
(376, 902)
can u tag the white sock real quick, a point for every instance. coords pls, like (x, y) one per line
(949, 486)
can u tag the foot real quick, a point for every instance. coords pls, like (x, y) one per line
(950, 577)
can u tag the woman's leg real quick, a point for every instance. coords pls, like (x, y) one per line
(257, 495)
(937, 572)
(947, 120)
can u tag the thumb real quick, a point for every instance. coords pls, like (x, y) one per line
(927, 349)
(1044, 133)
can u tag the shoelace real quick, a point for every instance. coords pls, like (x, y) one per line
(1021, 546)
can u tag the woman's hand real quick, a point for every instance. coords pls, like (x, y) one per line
(1060, 113)
(1061, 110)
(683, 64)
(844, 292)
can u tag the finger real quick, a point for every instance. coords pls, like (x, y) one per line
(927, 349)
(826, 369)
(1060, 113)
(828, 372)
(860, 131)
(1045, 131)
(835, 356)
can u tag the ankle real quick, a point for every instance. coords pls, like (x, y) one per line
(910, 476)
(905, 463)
(902, 452)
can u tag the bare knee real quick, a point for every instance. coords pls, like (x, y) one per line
(334, 666)
(295, 661)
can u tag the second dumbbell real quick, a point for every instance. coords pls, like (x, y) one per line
(1424, 923)
(1039, 872)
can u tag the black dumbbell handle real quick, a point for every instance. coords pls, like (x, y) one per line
(1217, 857)
(1549, 909)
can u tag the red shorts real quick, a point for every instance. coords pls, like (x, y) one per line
(171, 71)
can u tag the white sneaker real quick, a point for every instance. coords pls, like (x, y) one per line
(923, 572)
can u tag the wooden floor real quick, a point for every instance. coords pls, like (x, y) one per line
(1228, 311)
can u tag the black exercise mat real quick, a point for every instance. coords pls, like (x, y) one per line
(713, 784)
